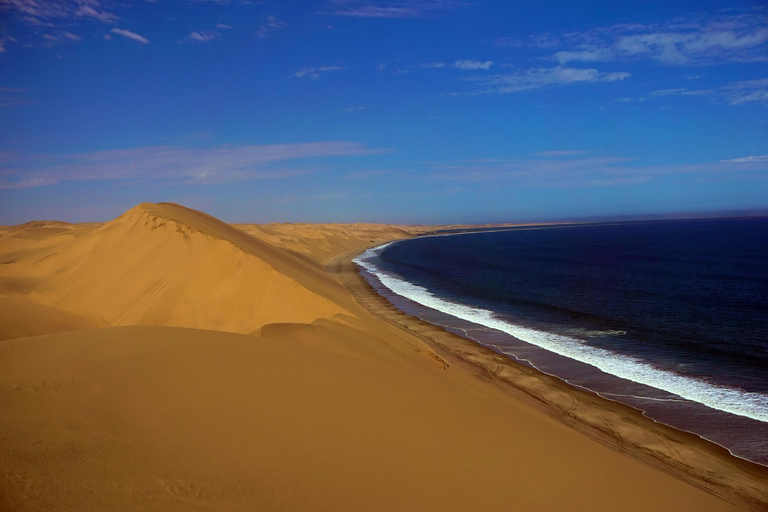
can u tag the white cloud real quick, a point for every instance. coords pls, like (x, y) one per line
(431, 65)
(33, 11)
(562, 171)
(224, 164)
(736, 93)
(88, 10)
(48, 19)
(315, 73)
(204, 36)
(696, 41)
(401, 9)
(472, 64)
(372, 11)
(222, 26)
(561, 153)
(542, 77)
(537, 41)
(130, 35)
(747, 91)
(269, 27)
(748, 159)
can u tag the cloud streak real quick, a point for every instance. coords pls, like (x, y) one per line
(223, 164)
(131, 35)
(696, 41)
(35, 11)
(405, 9)
(12, 97)
(269, 27)
(754, 92)
(468, 65)
(555, 169)
(314, 73)
(538, 78)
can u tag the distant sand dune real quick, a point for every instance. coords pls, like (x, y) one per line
(321, 242)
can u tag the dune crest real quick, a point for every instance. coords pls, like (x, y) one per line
(169, 265)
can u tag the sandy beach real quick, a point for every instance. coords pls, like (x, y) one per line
(166, 360)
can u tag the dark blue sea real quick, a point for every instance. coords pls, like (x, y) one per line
(669, 317)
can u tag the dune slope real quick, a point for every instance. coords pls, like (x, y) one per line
(168, 265)
(321, 416)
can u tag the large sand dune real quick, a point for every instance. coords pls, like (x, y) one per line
(168, 265)
(320, 416)
(113, 397)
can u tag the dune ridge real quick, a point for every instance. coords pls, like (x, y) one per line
(168, 265)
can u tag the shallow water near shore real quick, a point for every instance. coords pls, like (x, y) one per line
(665, 316)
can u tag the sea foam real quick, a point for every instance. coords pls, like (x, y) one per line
(727, 399)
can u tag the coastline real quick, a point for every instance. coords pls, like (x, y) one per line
(682, 454)
(255, 381)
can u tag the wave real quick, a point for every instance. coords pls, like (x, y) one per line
(732, 400)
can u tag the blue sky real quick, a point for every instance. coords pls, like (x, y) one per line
(422, 111)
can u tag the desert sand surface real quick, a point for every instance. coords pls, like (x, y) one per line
(168, 361)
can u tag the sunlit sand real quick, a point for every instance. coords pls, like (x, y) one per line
(168, 361)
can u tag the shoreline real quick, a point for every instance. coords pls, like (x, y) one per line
(685, 455)
(714, 423)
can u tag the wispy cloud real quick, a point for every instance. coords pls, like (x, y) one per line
(89, 9)
(737, 93)
(13, 97)
(130, 35)
(36, 12)
(701, 40)
(748, 159)
(747, 91)
(430, 65)
(562, 171)
(270, 26)
(26, 183)
(561, 153)
(47, 23)
(402, 9)
(204, 36)
(472, 64)
(314, 73)
(543, 77)
(223, 26)
(537, 41)
(223, 164)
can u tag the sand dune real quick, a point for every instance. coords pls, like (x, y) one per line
(113, 397)
(321, 242)
(168, 265)
(321, 416)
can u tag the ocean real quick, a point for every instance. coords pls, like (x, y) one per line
(669, 317)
